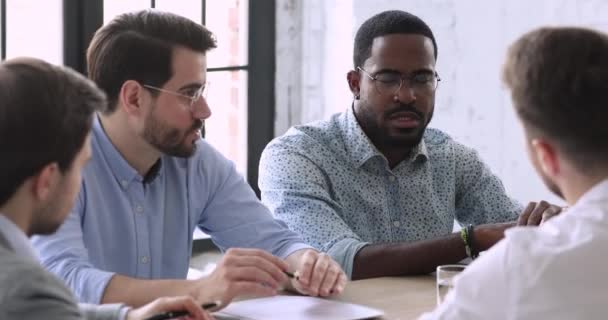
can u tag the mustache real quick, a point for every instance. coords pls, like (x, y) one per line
(404, 108)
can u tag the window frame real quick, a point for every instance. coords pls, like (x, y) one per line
(82, 18)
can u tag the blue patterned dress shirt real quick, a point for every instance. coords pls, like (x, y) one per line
(143, 229)
(328, 182)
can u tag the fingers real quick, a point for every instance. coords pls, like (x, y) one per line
(334, 282)
(537, 215)
(264, 270)
(320, 275)
(166, 304)
(523, 217)
(188, 304)
(241, 272)
(551, 212)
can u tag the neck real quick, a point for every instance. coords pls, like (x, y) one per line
(394, 155)
(18, 212)
(134, 149)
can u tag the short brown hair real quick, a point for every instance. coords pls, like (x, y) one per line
(138, 46)
(45, 117)
(559, 85)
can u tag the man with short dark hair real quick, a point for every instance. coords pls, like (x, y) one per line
(558, 78)
(373, 187)
(152, 180)
(45, 119)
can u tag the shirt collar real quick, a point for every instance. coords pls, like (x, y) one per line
(361, 149)
(124, 173)
(16, 239)
(599, 192)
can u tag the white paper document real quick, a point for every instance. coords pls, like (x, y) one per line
(296, 308)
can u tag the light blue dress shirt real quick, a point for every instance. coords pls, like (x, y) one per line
(328, 182)
(121, 224)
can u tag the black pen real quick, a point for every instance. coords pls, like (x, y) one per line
(177, 314)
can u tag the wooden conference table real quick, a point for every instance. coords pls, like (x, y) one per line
(401, 298)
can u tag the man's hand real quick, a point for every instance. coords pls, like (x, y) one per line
(319, 274)
(486, 235)
(242, 272)
(170, 304)
(538, 213)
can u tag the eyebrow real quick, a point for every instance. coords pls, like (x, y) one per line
(194, 85)
(417, 71)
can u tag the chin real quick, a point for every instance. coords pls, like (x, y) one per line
(185, 151)
(46, 230)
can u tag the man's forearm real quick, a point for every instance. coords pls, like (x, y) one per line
(137, 292)
(399, 259)
(380, 260)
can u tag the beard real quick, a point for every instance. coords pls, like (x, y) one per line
(380, 134)
(46, 221)
(168, 140)
(552, 186)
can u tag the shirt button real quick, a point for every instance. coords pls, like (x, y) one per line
(124, 183)
(396, 223)
(145, 259)
(391, 178)
(139, 209)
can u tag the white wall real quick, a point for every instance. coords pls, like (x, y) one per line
(472, 36)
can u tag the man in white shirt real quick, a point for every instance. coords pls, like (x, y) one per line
(558, 79)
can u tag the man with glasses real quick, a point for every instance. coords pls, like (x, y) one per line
(40, 176)
(373, 187)
(152, 180)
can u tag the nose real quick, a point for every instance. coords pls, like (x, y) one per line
(405, 93)
(200, 109)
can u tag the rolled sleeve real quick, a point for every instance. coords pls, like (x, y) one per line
(344, 252)
(65, 255)
(298, 192)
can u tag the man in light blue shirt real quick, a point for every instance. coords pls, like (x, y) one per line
(152, 181)
(372, 186)
(39, 180)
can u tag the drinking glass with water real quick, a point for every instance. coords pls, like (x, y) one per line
(445, 279)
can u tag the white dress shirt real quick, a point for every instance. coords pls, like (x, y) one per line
(556, 271)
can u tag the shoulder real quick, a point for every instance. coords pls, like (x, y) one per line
(27, 286)
(438, 140)
(308, 137)
(441, 145)
(206, 160)
(435, 137)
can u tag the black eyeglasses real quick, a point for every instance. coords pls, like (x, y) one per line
(391, 82)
